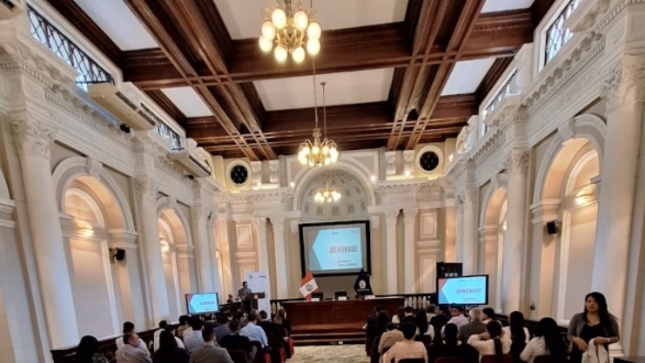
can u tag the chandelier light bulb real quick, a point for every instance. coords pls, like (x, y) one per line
(315, 149)
(268, 30)
(313, 46)
(327, 161)
(298, 55)
(301, 20)
(311, 162)
(314, 31)
(325, 150)
(266, 44)
(279, 18)
(280, 54)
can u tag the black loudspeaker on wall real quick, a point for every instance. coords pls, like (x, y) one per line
(118, 254)
(553, 227)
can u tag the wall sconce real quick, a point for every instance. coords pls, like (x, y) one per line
(504, 226)
(84, 228)
(584, 196)
(373, 178)
(408, 173)
(165, 246)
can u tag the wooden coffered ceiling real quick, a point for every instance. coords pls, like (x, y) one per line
(219, 87)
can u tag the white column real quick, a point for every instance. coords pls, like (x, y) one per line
(459, 230)
(202, 246)
(129, 279)
(469, 231)
(33, 141)
(146, 191)
(410, 217)
(625, 98)
(225, 260)
(263, 251)
(281, 279)
(215, 257)
(390, 251)
(517, 167)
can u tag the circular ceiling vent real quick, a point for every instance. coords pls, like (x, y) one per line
(239, 174)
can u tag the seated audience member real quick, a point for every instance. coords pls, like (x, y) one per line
(449, 347)
(400, 314)
(407, 349)
(210, 322)
(242, 318)
(458, 317)
(430, 311)
(169, 351)
(236, 341)
(379, 326)
(208, 352)
(488, 314)
(253, 331)
(476, 326)
(267, 325)
(193, 338)
(128, 328)
(183, 325)
(491, 342)
(164, 327)
(423, 327)
(88, 351)
(222, 329)
(281, 320)
(518, 334)
(547, 341)
(389, 338)
(408, 315)
(132, 350)
(439, 321)
(230, 299)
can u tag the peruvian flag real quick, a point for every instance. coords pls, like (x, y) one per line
(308, 286)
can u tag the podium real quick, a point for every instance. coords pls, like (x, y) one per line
(251, 301)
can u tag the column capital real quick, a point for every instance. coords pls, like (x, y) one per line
(33, 137)
(518, 162)
(146, 188)
(468, 197)
(626, 82)
(410, 215)
(185, 251)
(391, 216)
(277, 222)
(260, 224)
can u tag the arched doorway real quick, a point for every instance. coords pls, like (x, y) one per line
(571, 181)
(492, 232)
(178, 258)
(93, 212)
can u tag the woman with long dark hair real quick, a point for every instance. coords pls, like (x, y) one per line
(495, 342)
(88, 351)
(595, 325)
(548, 341)
(421, 321)
(169, 351)
(518, 334)
(448, 347)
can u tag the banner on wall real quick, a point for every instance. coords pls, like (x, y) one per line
(259, 282)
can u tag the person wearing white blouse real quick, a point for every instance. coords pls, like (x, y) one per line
(494, 341)
(548, 341)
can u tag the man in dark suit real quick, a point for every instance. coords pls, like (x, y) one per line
(439, 321)
(408, 313)
(235, 341)
(476, 325)
(269, 326)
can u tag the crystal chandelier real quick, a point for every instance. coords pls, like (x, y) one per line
(317, 152)
(287, 27)
(327, 193)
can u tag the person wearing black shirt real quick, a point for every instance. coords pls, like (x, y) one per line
(438, 321)
(235, 341)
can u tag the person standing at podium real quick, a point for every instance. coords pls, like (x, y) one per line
(244, 292)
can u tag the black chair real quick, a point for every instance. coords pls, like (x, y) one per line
(448, 360)
(490, 358)
(412, 360)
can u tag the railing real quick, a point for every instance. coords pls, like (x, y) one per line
(89, 71)
(417, 301)
(503, 92)
(169, 135)
(557, 35)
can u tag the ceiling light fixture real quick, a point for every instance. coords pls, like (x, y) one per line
(318, 153)
(287, 26)
(327, 193)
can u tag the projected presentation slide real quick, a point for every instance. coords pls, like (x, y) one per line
(202, 303)
(463, 290)
(333, 249)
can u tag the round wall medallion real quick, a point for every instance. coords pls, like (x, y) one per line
(239, 174)
(429, 161)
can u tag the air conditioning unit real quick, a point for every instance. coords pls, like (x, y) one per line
(124, 104)
(191, 161)
(9, 9)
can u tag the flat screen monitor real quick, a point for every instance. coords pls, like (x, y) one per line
(463, 290)
(335, 249)
(202, 303)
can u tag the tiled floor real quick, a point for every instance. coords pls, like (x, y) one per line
(330, 354)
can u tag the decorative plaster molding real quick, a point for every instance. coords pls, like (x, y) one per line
(410, 215)
(390, 163)
(625, 83)
(33, 136)
(146, 188)
(518, 162)
(274, 171)
(391, 215)
(256, 172)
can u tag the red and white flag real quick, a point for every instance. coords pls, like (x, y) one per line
(308, 286)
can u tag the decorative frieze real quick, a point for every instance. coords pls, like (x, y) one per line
(518, 162)
(626, 82)
(146, 188)
(33, 136)
(390, 163)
